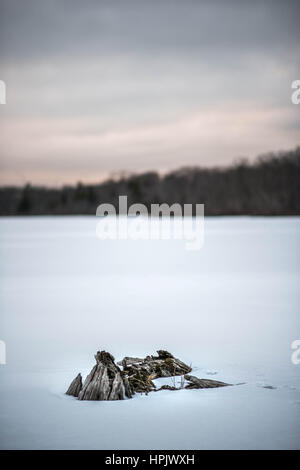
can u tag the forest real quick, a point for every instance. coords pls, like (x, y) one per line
(268, 186)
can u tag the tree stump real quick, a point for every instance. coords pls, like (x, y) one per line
(105, 381)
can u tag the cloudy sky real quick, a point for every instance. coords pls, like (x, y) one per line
(98, 87)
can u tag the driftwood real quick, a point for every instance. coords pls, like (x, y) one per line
(75, 386)
(128, 361)
(167, 387)
(107, 381)
(141, 372)
(194, 382)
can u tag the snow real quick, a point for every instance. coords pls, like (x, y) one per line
(230, 309)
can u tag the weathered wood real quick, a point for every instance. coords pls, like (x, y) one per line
(75, 386)
(128, 361)
(162, 354)
(167, 387)
(194, 382)
(105, 381)
(142, 372)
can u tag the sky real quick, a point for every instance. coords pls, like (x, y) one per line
(98, 88)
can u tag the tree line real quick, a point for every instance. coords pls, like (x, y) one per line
(269, 186)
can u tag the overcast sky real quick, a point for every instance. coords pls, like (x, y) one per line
(96, 87)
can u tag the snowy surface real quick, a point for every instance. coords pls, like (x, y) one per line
(231, 309)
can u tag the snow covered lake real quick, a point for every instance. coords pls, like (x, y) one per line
(231, 309)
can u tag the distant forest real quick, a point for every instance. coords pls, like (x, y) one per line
(269, 186)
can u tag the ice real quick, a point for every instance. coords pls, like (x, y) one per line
(231, 307)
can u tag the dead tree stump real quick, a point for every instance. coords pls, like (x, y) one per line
(105, 381)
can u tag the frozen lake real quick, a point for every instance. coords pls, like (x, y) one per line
(231, 308)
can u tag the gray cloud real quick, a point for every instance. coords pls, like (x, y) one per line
(147, 46)
(97, 86)
(43, 29)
